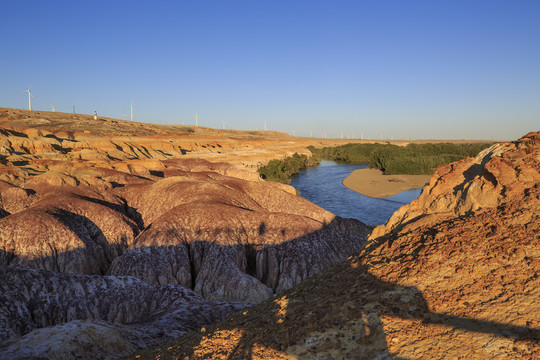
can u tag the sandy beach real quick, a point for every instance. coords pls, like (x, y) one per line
(372, 182)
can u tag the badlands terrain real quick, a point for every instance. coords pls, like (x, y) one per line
(452, 275)
(116, 236)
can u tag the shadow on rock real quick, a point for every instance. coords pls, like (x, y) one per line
(353, 316)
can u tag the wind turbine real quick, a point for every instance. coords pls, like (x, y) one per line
(29, 95)
(131, 109)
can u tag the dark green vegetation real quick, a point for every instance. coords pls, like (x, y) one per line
(413, 159)
(282, 170)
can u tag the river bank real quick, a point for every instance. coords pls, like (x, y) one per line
(372, 182)
(323, 185)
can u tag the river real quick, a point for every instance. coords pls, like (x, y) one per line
(323, 186)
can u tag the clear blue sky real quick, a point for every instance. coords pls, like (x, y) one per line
(403, 69)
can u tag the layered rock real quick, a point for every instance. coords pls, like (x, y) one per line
(93, 316)
(504, 172)
(457, 280)
(173, 224)
(229, 239)
(184, 222)
(67, 230)
(28, 138)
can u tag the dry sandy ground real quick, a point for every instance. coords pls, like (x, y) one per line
(372, 182)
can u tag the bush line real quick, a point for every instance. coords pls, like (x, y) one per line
(413, 159)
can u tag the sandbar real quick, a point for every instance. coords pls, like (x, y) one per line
(373, 183)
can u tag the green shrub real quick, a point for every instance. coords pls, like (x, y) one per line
(414, 159)
(282, 170)
(394, 159)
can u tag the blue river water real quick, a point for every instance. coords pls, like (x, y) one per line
(323, 186)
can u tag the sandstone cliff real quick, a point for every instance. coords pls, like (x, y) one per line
(453, 275)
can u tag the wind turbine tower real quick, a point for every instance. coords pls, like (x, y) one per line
(264, 125)
(131, 109)
(29, 95)
(196, 120)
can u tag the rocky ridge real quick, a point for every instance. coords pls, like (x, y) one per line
(502, 173)
(455, 277)
(35, 142)
(80, 210)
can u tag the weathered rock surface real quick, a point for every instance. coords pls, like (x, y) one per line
(458, 280)
(78, 339)
(67, 230)
(81, 199)
(30, 141)
(229, 239)
(504, 172)
(224, 237)
(93, 316)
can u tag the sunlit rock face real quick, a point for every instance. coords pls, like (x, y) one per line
(456, 279)
(224, 237)
(71, 229)
(85, 202)
(231, 239)
(503, 173)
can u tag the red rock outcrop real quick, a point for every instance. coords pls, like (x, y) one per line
(456, 280)
(504, 172)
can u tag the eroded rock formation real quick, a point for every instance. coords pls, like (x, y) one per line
(504, 172)
(452, 275)
(224, 237)
(124, 314)
(81, 208)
